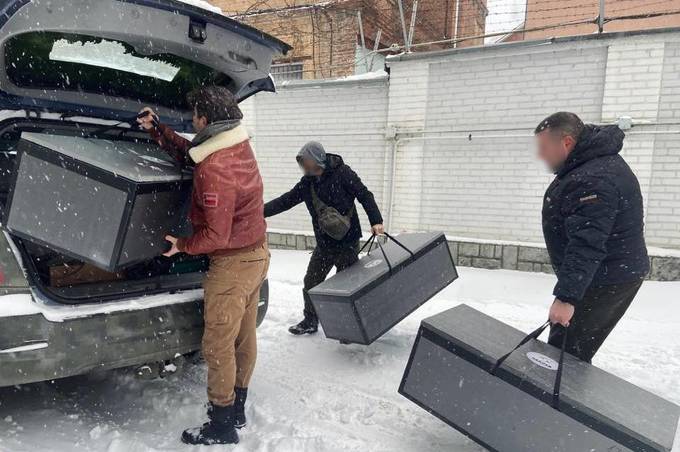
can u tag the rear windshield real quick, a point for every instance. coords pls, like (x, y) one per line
(48, 60)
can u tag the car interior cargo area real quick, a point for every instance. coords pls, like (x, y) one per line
(89, 212)
(71, 281)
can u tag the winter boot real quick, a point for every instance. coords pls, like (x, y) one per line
(240, 407)
(219, 430)
(307, 326)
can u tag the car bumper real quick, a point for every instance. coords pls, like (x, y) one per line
(34, 349)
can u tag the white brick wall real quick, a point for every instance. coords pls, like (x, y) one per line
(347, 118)
(489, 186)
(634, 70)
(663, 213)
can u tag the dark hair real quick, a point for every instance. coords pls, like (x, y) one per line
(215, 103)
(565, 123)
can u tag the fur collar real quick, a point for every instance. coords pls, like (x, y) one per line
(220, 141)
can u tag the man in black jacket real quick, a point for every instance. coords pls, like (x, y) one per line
(334, 184)
(593, 224)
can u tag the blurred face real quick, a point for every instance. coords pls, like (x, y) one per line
(200, 122)
(310, 168)
(554, 148)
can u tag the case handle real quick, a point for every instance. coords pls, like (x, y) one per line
(374, 239)
(560, 367)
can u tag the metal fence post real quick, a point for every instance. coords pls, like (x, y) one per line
(600, 18)
(403, 25)
(364, 50)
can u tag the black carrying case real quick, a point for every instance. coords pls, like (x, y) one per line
(366, 300)
(520, 406)
(107, 203)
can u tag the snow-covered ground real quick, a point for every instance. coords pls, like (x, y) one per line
(312, 394)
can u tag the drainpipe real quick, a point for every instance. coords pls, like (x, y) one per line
(393, 183)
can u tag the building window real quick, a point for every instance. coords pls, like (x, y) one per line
(287, 71)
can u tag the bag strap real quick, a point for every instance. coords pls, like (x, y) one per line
(319, 205)
(560, 367)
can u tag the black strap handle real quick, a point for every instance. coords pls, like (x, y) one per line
(560, 367)
(531, 336)
(369, 241)
(560, 370)
(400, 244)
(374, 239)
(389, 264)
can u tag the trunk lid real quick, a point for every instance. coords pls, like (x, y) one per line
(109, 58)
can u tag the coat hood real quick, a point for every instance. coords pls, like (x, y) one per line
(334, 161)
(595, 141)
(313, 151)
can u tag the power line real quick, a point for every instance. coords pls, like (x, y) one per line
(326, 25)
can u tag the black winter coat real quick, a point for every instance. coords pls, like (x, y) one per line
(338, 187)
(593, 219)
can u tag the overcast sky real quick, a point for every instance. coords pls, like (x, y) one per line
(504, 15)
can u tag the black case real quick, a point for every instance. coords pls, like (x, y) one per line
(108, 203)
(449, 375)
(366, 300)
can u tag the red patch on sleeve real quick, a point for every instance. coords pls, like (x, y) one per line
(210, 200)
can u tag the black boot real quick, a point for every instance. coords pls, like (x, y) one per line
(307, 326)
(240, 407)
(220, 429)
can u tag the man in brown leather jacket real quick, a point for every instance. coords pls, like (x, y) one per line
(227, 216)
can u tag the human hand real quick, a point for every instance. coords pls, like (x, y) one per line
(173, 250)
(378, 229)
(149, 120)
(561, 313)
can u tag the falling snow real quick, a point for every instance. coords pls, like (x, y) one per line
(312, 394)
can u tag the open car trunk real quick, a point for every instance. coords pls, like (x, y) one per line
(68, 280)
(109, 58)
(66, 63)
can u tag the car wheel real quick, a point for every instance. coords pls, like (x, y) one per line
(263, 304)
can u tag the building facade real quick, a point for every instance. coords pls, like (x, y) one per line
(460, 153)
(545, 18)
(326, 36)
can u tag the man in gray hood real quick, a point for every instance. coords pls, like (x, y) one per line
(329, 189)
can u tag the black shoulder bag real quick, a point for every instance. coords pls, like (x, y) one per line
(331, 221)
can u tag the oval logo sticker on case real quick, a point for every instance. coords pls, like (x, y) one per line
(543, 361)
(374, 263)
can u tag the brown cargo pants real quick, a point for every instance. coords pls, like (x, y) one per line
(232, 292)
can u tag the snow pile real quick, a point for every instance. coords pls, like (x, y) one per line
(312, 394)
(376, 75)
(112, 55)
(203, 5)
